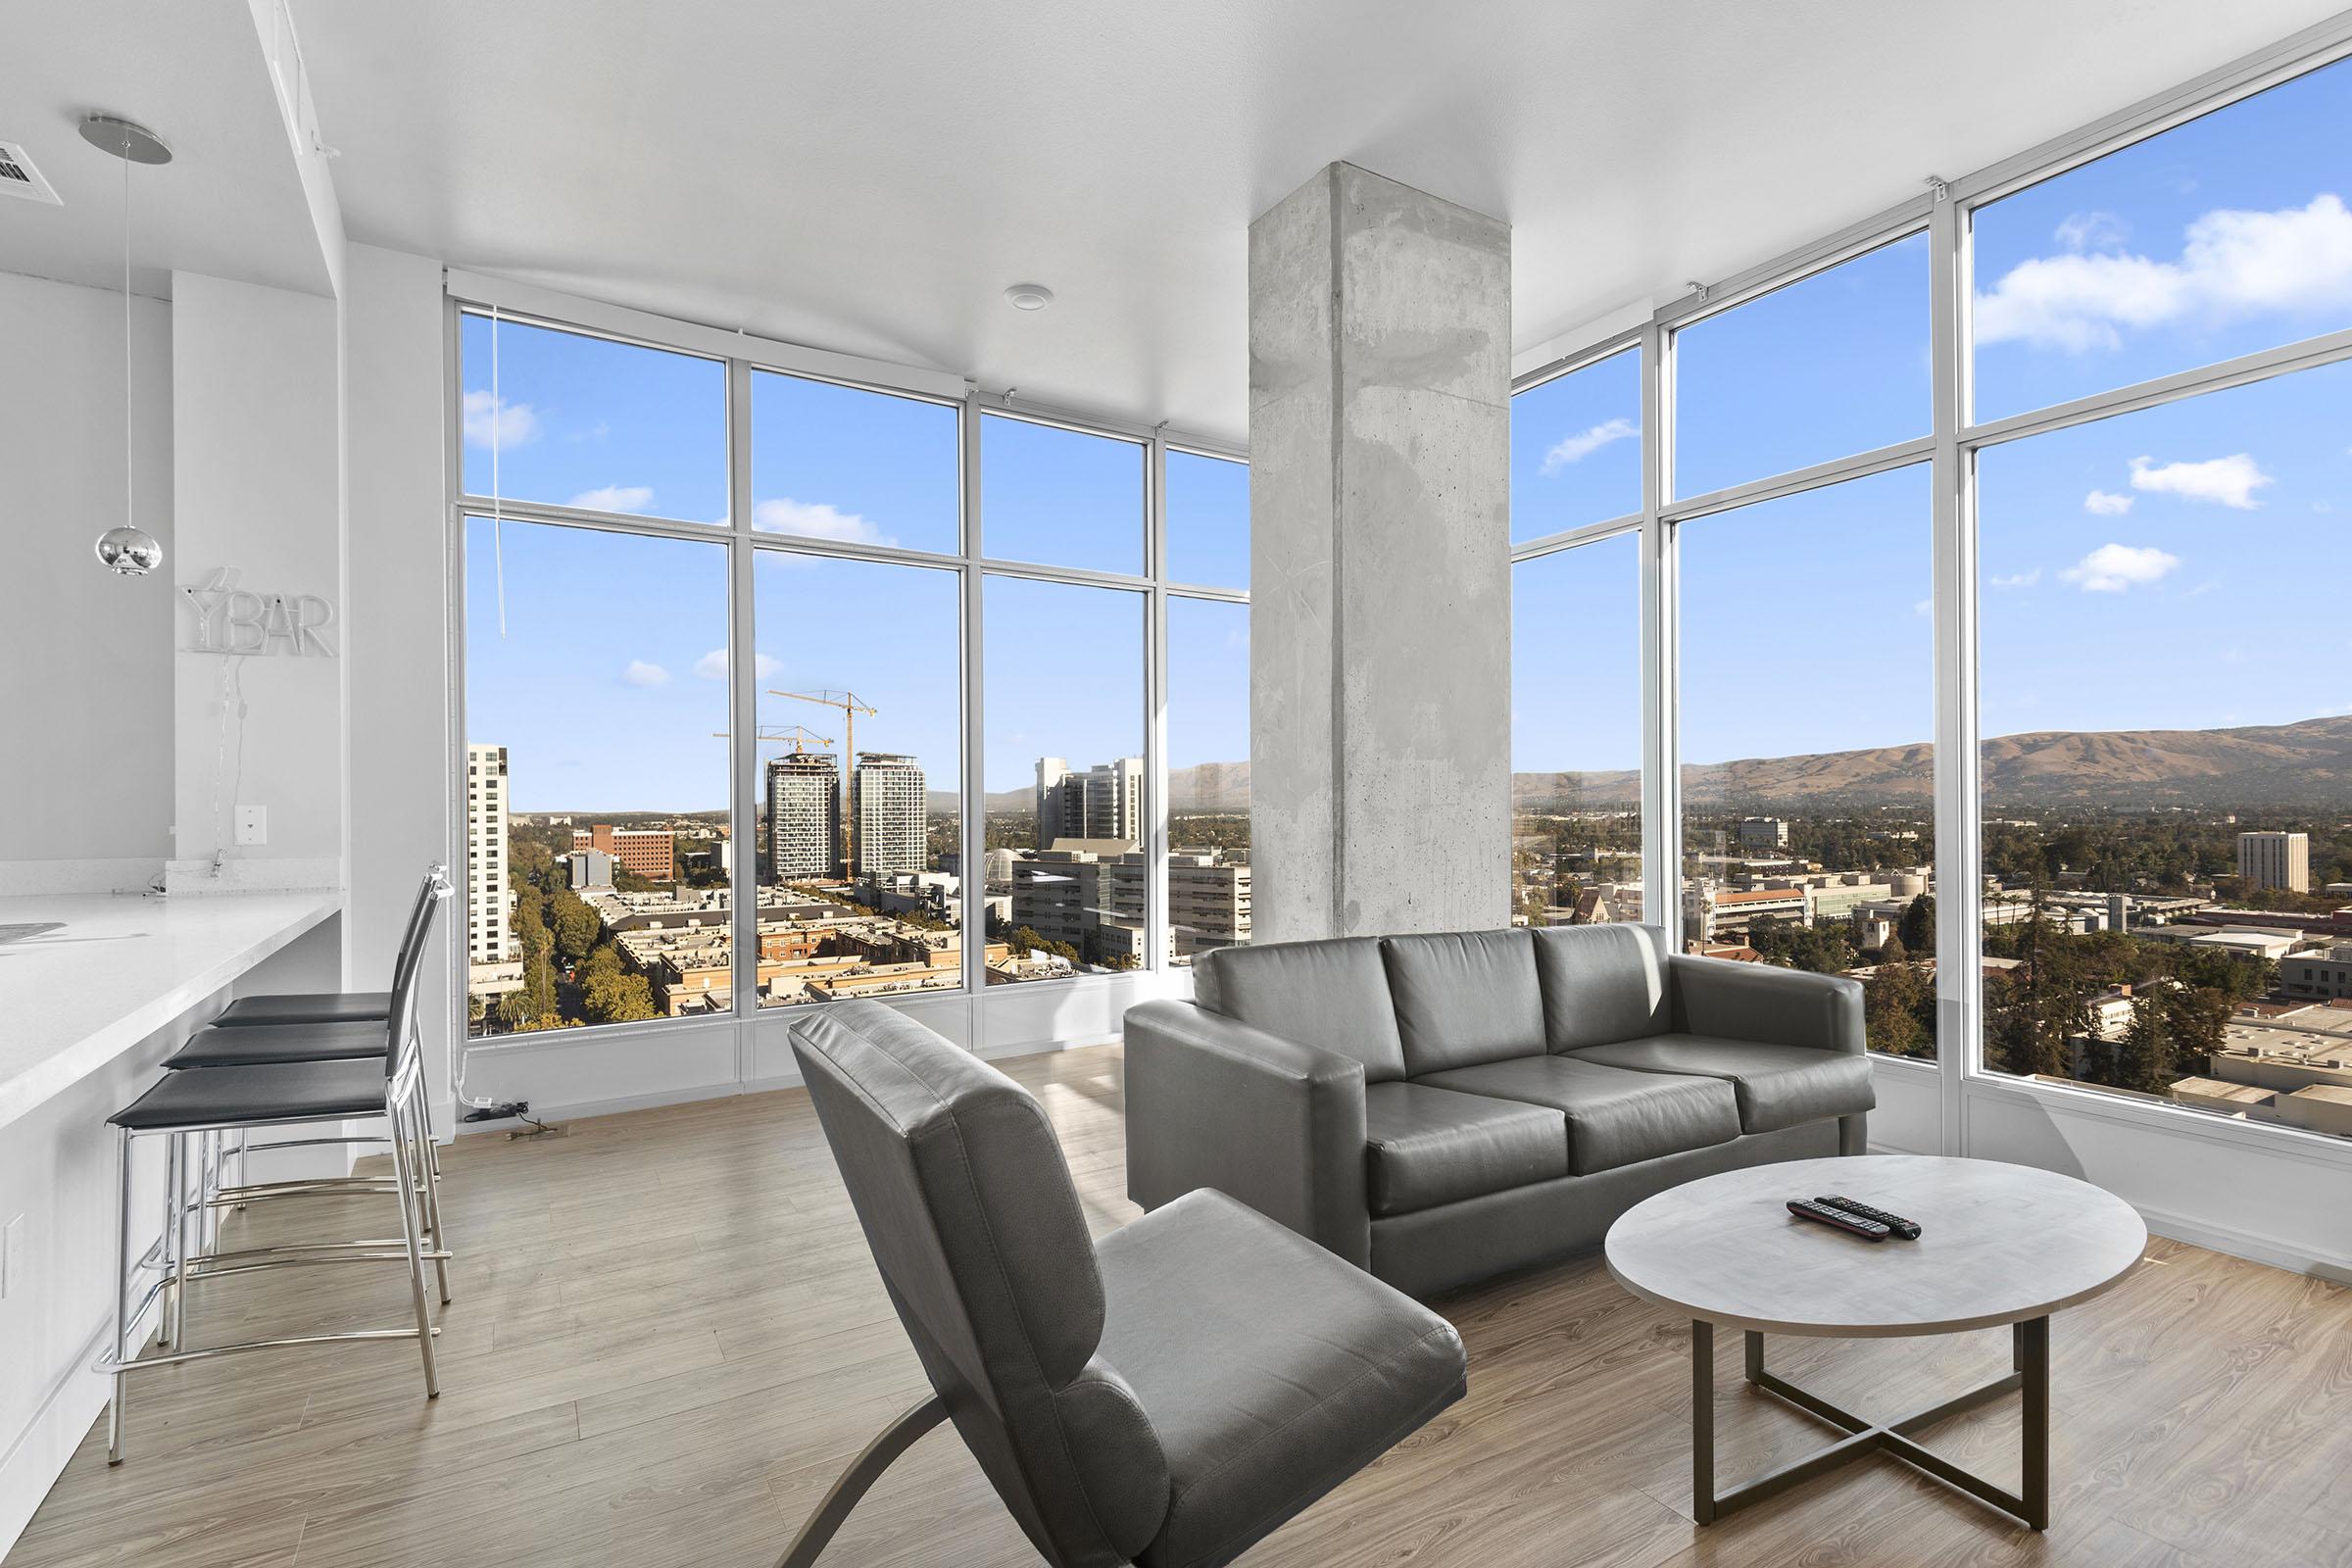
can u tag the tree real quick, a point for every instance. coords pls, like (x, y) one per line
(1023, 938)
(574, 923)
(1917, 927)
(1898, 1011)
(2143, 1058)
(613, 995)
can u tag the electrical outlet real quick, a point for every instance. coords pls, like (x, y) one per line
(253, 824)
(11, 1259)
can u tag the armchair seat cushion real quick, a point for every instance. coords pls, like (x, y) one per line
(1615, 1116)
(1271, 1370)
(1425, 1147)
(1777, 1085)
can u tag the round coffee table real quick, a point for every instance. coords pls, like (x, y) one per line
(1998, 1243)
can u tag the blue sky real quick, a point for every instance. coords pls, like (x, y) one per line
(2136, 572)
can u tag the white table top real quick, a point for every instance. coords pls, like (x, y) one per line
(1998, 1243)
(122, 967)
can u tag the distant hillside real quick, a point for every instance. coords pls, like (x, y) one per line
(2307, 762)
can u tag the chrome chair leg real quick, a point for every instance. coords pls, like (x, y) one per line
(428, 1170)
(408, 1230)
(185, 1215)
(168, 1312)
(122, 1379)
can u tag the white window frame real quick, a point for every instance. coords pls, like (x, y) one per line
(1958, 1077)
(990, 1019)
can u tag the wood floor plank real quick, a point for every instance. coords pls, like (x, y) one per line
(668, 1337)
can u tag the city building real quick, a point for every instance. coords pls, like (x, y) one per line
(1093, 895)
(1103, 803)
(493, 955)
(890, 806)
(2275, 861)
(589, 868)
(648, 851)
(2318, 976)
(1763, 833)
(803, 817)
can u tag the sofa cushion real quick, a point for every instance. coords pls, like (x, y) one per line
(1331, 994)
(1601, 983)
(1778, 1086)
(1425, 1147)
(1270, 1370)
(1463, 998)
(1615, 1116)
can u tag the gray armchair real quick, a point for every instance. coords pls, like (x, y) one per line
(1166, 1396)
(1438, 1109)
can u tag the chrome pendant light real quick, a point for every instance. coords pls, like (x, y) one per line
(130, 550)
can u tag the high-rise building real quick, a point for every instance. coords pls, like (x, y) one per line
(1763, 833)
(1106, 801)
(2275, 861)
(804, 815)
(645, 851)
(491, 949)
(888, 803)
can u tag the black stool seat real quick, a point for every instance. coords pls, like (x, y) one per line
(224, 1096)
(319, 1006)
(291, 1042)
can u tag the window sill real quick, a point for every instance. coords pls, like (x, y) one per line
(2164, 1120)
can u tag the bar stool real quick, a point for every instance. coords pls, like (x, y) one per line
(319, 1026)
(189, 1105)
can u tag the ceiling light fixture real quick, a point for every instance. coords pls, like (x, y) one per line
(1029, 296)
(129, 549)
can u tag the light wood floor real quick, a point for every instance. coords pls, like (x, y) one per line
(669, 1337)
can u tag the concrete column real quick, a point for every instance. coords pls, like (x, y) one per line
(1379, 343)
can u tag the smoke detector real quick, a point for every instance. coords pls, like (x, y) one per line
(1029, 296)
(18, 176)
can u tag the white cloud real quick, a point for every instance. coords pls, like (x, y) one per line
(641, 673)
(2106, 503)
(616, 498)
(2019, 579)
(2231, 481)
(712, 665)
(2113, 568)
(495, 425)
(2093, 232)
(816, 519)
(2233, 262)
(1923, 607)
(1582, 445)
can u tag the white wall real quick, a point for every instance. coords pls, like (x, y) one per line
(396, 622)
(86, 705)
(257, 473)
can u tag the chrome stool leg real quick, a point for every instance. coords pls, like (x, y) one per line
(122, 1379)
(184, 1216)
(429, 1171)
(408, 1230)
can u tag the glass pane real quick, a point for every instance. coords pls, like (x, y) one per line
(1063, 498)
(840, 463)
(1808, 758)
(860, 767)
(1576, 735)
(1833, 364)
(576, 420)
(1209, 520)
(597, 819)
(1208, 775)
(2167, 821)
(1066, 821)
(1576, 448)
(2223, 236)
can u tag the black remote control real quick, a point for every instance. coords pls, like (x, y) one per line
(1820, 1214)
(1905, 1229)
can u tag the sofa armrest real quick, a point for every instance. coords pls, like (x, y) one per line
(1212, 1101)
(1758, 1001)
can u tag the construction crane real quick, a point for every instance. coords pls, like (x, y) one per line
(851, 707)
(799, 737)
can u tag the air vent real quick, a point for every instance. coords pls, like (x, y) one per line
(18, 176)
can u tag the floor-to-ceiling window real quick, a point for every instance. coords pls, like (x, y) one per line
(1576, 645)
(786, 685)
(1981, 580)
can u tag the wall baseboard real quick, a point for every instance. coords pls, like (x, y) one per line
(2252, 1246)
(32, 1464)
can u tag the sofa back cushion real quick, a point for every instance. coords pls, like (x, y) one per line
(1465, 997)
(1330, 994)
(1601, 983)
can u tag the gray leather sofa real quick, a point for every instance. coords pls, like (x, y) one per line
(1439, 1108)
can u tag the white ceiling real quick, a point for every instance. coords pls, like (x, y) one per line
(230, 202)
(869, 178)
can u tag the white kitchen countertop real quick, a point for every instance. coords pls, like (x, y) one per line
(122, 967)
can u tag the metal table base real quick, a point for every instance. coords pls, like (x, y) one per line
(2030, 1359)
